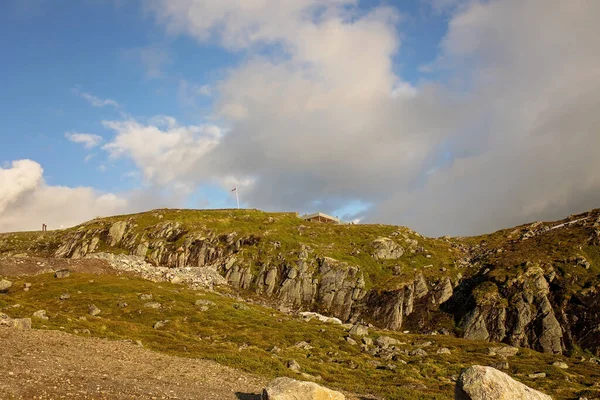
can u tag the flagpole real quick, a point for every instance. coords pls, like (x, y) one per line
(237, 197)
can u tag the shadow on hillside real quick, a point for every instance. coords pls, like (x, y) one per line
(248, 396)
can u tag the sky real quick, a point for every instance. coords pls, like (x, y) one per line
(451, 117)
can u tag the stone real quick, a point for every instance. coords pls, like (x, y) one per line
(93, 310)
(116, 232)
(386, 341)
(62, 273)
(501, 365)
(5, 285)
(351, 341)
(443, 350)
(418, 353)
(503, 351)
(21, 323)
(160, 324)
(65, 296)
(386, 249)
(153, 305)
(145, 296)
(367, 341)
(41, 314)
(485, 383)
(537, 375)
(293, 365)
(240, 306)
(291, 389)
(560, 364)
(205, 303)
(303, 345)
(122, 304)
(359, 330)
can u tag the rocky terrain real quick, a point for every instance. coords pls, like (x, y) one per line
(534, 286)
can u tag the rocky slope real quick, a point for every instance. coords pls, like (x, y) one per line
(533, 286)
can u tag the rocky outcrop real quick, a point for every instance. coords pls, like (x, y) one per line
(483, 383)
(386, 249)
(290, 389)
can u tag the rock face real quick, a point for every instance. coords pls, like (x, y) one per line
(525, 303)
(290, 389)
(16, 323)
(486, 383)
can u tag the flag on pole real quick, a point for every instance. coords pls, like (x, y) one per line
(234, 189)
(237, 197)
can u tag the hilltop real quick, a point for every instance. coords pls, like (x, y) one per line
(534, 286)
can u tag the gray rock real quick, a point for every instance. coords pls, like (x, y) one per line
(205, 303)
(93, 310)
(290, 389)
(145, 296)
(41, 314)
(160, 324)
(153, 305)
(122, 304)
(293, 365)
(116, 232)
(443, 350)
(351, 341)
(503, 351)
(486, 383)
(367, 341)
(240, 306)
(62, 273)
(386, 341)
(386, 249)
(560, 364)
(537, 375)
(5, 285)
(359, 330)
(65, 296)
(418, 353)
(303, 345)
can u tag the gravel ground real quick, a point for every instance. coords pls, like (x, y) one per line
(38, 364)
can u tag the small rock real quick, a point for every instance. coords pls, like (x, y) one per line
(26, 285)
(293, 365)
(367, 340)
(205, 303)
(240, 306)
(537, 375)
(443, 350)
(359, 330)
(5, 285)
(351, 341)
(560, 364)
(153, 305)
(62, 273)
(93, 310)
(275, 349)
(160, 324)
(145, 296)
(503, 351)
(65, 296)
(122, 304)
(41, 314)
(418, 353)
(303, 345)
(386, 341)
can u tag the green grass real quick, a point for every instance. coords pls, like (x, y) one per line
(243, 338)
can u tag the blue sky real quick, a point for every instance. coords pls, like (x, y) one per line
(184, 99)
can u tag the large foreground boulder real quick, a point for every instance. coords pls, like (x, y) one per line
(290, 389)
(487, 383)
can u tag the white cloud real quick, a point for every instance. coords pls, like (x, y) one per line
(26, 201)
(94, 100)
(87, 139)
(164, 151)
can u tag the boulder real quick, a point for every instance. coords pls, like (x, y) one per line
(386, 341)
(5, 285)
(560, 364)
(290, 389)
(484, 383)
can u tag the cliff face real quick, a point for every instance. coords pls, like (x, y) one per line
(535, 286)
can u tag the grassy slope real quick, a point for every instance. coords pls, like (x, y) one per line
(242, 338)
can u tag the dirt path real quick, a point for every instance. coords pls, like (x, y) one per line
(38, 364)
